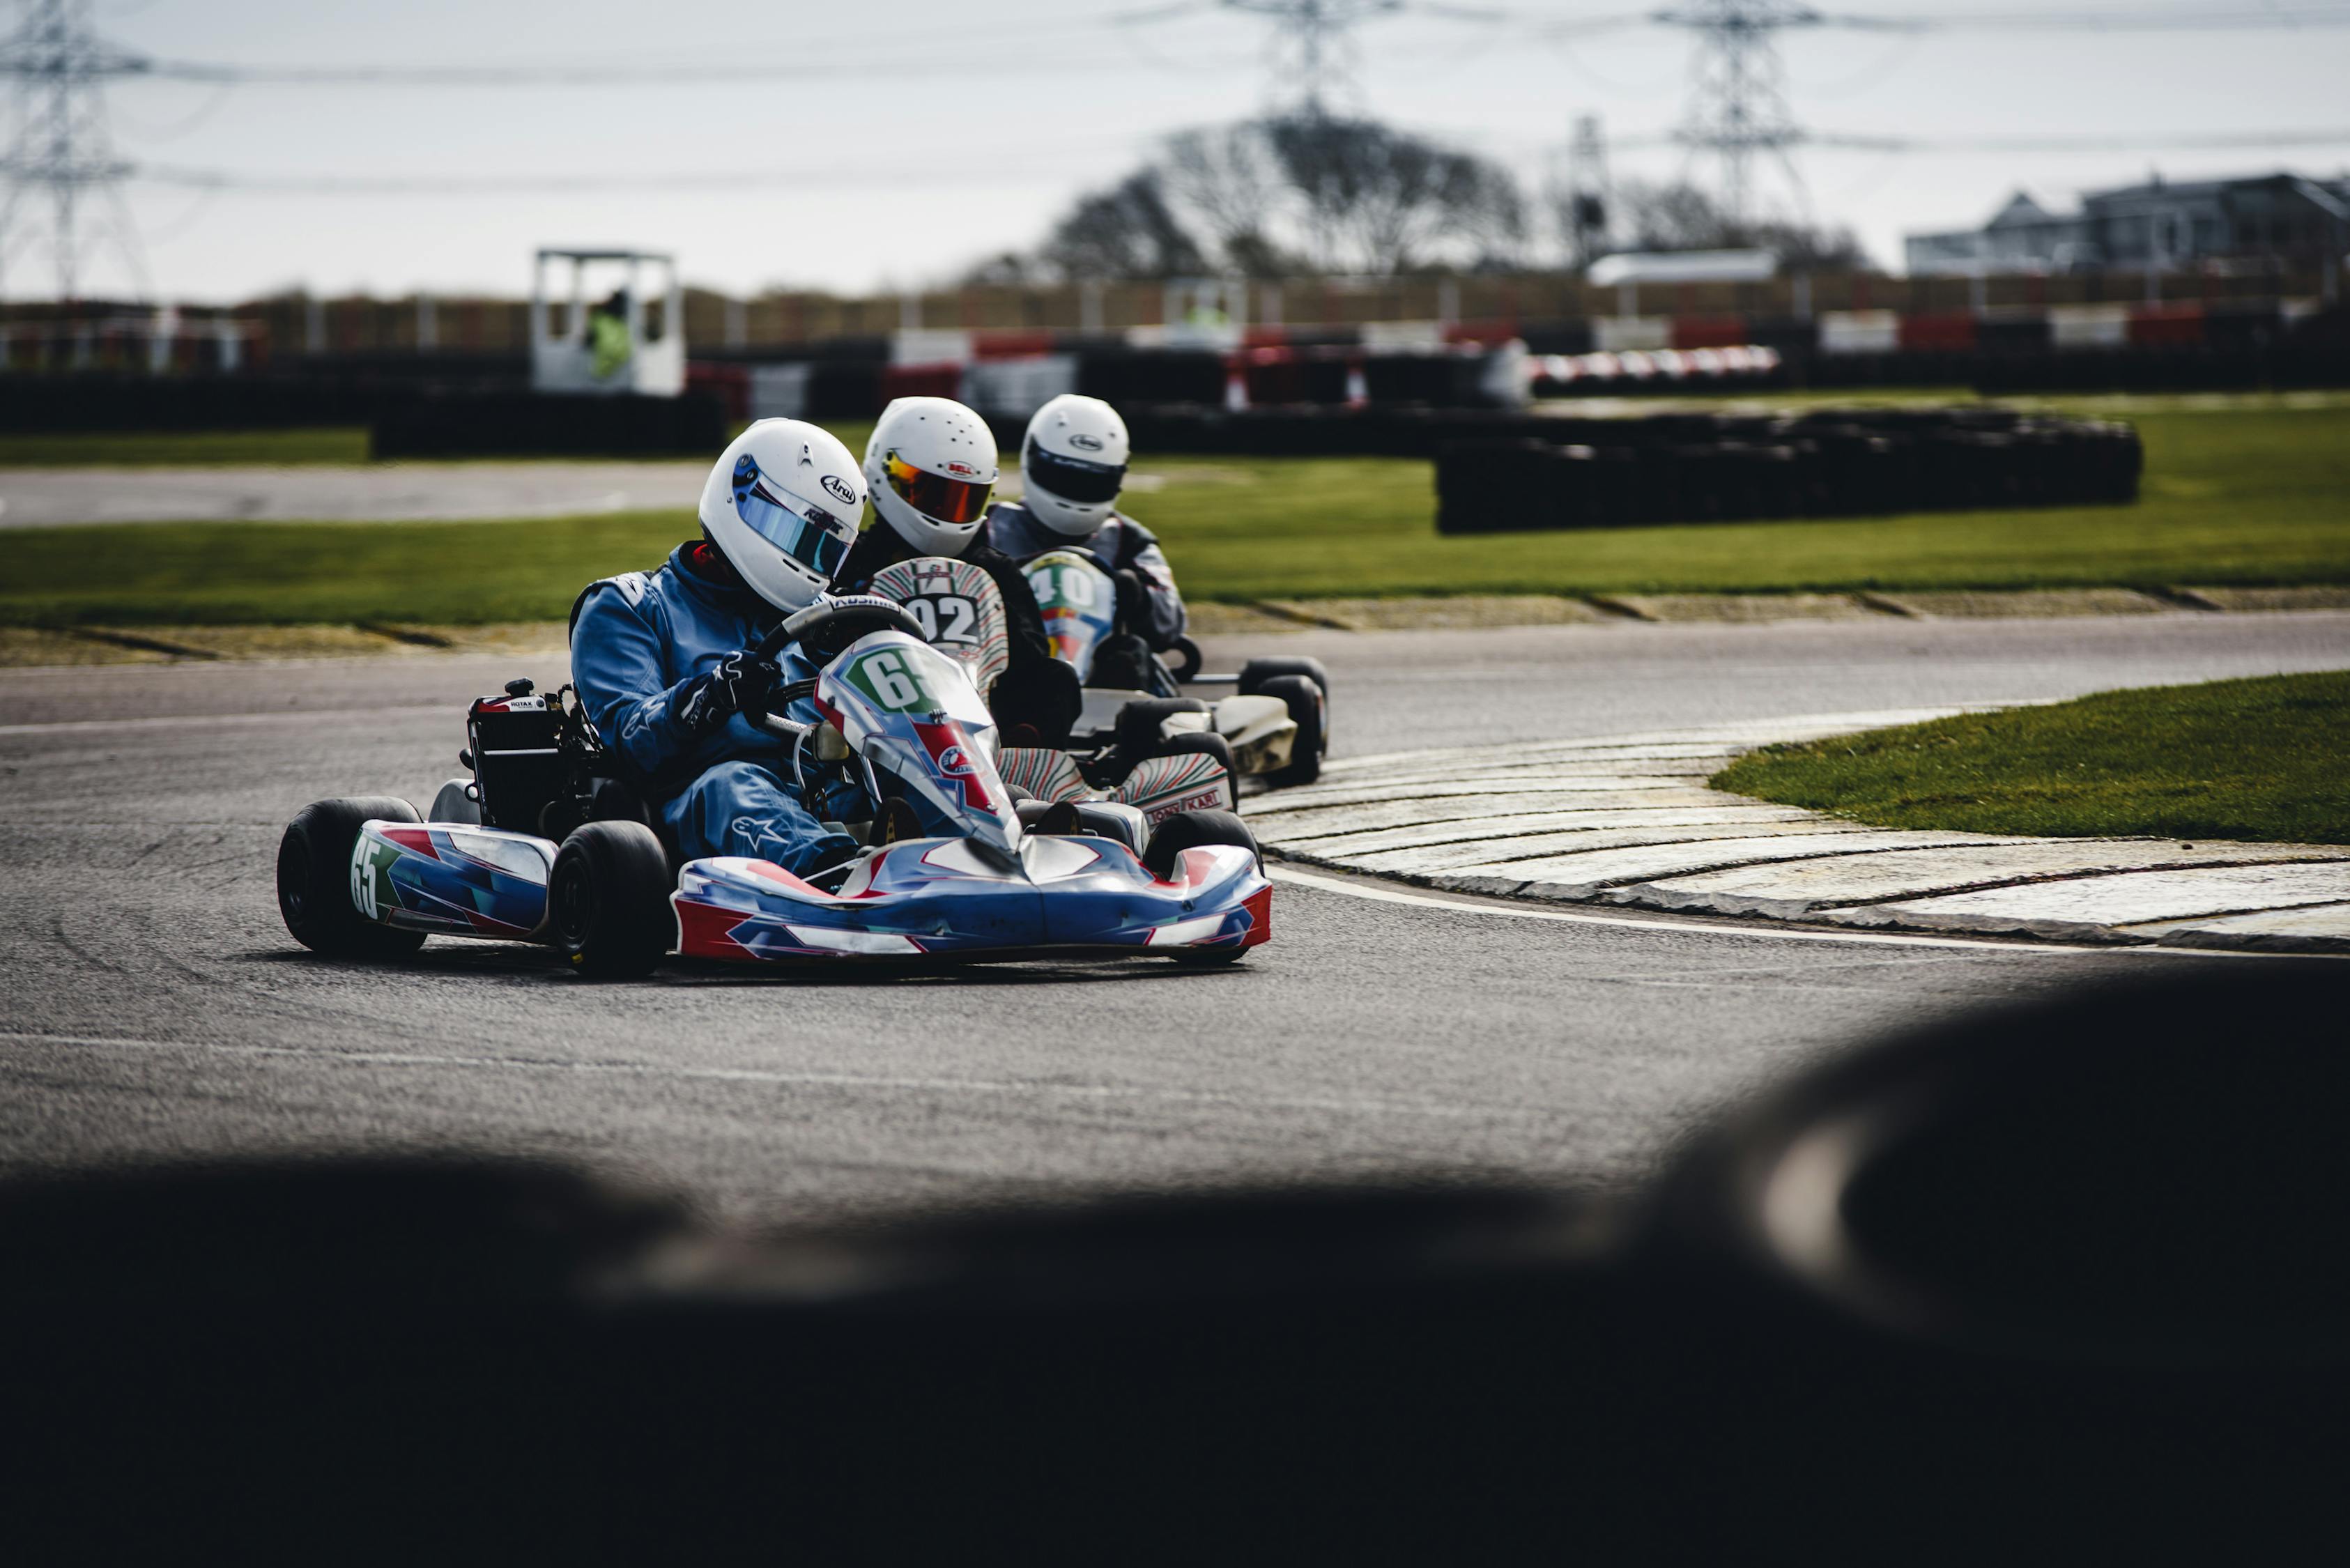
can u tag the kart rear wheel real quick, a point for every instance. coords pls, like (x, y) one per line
(1206, 743)
(1257, 671)
(1310, 707)
(607, 902)
(314, 880)
(1139, 724)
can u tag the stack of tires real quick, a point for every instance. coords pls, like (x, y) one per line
(1618, 474)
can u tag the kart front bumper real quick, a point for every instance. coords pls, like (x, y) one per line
(943, 897)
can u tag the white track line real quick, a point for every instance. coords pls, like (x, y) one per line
(1381, 894)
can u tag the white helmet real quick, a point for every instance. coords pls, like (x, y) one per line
(931, 467)
(782, 502)
(1072, 462)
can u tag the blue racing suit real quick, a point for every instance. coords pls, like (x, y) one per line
(638, 643)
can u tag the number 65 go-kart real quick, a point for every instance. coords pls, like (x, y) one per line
(547, 844)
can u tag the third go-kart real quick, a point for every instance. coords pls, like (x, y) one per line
(1276, 721)
(548, 842)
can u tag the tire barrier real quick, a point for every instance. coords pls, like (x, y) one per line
(1831, 463)
(534, 424)
(351, 391)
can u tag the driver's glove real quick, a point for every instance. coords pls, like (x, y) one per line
(1133, 602)
(739, 684)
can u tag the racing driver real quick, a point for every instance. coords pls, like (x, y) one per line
(1072, 466)
(930, 466)
(666, 664)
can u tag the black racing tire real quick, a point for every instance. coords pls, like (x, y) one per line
(607, 902)
(1310, 707)
(1206, 743)
(314, 880)
(1195, 830)
(1136, 725)
(1257, 671)
(1208, 958)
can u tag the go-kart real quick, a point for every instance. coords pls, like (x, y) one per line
(547, 843)
(1276, 723)
(959, 611)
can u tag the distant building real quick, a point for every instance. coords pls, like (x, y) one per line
(2284, 218)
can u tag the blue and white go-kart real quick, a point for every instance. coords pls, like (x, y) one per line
(545, 843)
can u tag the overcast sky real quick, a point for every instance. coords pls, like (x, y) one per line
(895, 140)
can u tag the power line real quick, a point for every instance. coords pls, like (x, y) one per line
(60, 149)
(1738, 113)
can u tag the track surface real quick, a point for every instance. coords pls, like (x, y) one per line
(385, 491)
(151, 1004)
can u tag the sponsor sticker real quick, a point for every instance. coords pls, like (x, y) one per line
(837, 488)
(1212, 800)
(1086, 443)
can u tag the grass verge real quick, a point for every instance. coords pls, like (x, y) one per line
(2248, 493)
(2265, 759)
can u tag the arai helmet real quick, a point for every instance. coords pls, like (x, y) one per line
(782, 502)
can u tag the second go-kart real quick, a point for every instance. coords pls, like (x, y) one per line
(1276, 721)
(546, 843)
(961, 612)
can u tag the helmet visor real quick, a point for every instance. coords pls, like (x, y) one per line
(1072, 478)
(809, 534)
(938, 496)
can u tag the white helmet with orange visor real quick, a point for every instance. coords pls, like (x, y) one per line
(931, 467)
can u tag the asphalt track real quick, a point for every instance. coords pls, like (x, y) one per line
(150, 1004)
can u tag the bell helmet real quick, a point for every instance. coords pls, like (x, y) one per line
(931, 468)
(782, 502)
(1072, 464)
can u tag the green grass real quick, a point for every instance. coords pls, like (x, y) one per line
(185, 449)
(2251, 491)
(2262, 759)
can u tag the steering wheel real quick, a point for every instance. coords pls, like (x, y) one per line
(828, 626)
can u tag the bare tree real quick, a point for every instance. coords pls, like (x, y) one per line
(1227, 177)
(1680, 217)
(1293, 194)
(1128, 230)
(1380, 200)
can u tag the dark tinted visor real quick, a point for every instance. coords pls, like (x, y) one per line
(936, 495)
(1072, 478)
(809, 534)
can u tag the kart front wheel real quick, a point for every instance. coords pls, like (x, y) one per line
(1197, 830)
(1194, 830)
(609, 900)
(314, 880)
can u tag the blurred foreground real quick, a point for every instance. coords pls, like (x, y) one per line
(2030, 1283)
